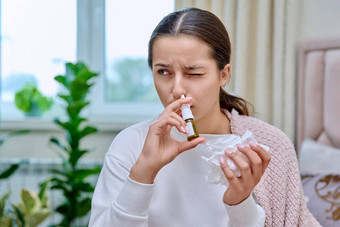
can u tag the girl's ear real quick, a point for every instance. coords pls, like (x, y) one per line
(225, 74)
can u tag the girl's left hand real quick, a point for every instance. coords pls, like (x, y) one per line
(241, 187)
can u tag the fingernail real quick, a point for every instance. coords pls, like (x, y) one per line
(183, 130)
(227, 151)
(221, 159)
(240, 146)
(252, 144)
(188, 98)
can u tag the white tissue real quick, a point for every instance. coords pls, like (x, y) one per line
(215, 174)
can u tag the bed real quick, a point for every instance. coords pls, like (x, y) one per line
(318, 126)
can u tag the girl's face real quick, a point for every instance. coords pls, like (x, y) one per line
(184, 65)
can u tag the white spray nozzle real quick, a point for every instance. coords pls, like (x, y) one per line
(186, 111)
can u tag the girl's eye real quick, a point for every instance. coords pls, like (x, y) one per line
(195, 74)
(163, 72)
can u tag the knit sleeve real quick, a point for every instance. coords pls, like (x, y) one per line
(280, 190)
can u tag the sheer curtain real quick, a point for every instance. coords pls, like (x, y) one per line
(262, 34)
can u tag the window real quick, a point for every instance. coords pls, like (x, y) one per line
(127, 88)
(35, 42)
(111, 37)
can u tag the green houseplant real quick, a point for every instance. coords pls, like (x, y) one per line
(5, 219)
(71, 179)
(33, 208)
(30, 100)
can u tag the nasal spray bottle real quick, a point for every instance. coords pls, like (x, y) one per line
(189, 119)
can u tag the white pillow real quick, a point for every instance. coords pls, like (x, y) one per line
(317, 158)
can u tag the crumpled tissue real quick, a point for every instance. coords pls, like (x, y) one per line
(217, 146)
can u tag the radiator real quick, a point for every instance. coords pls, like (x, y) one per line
(34, 171)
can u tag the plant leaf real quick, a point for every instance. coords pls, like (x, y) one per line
(61, 79)
(58, 144)
(76, 155)
(81, 174)
(87, 131)
(63, 209)
(61, 173)
(42, 195)
(19, 216)
(6, 221)
(3, 202)
(8, 172)
(75, 108)
(38, 217)
(84, 187)
(30, 200)
(83, 206)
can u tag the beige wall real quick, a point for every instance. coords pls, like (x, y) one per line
(319, 18)
(36, 145)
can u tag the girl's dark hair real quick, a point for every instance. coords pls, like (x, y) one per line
(207, 27)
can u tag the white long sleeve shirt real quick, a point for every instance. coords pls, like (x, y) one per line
(180, 195)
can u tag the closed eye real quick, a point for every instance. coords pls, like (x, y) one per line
(195, 74)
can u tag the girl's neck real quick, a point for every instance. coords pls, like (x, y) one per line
(218, 124)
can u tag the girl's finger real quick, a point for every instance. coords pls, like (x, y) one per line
(254, 160)
(186, 145)
(229, 174)
(181, 120)
(242, 164)
(262, 153)
(176, 105)
(182, 126)
(172, 120)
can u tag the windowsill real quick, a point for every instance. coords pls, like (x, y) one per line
(113, 120)
(31, 123)
(103, 124)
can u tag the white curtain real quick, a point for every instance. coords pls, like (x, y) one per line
(263, 34)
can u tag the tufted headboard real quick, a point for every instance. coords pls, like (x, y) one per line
(318, 91)
(318, 126)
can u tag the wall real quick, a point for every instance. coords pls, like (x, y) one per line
(36, 144)
(319, 18)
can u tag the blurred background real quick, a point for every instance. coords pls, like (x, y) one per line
(111, 38)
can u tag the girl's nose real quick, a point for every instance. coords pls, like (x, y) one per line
(178, 88)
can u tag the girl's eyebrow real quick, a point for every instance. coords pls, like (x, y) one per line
(189, 68)
(193, 67)
(162, 65)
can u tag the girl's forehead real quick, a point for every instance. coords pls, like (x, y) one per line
(181, 37)
(183, 44)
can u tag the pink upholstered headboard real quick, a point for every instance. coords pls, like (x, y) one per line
(318, 91)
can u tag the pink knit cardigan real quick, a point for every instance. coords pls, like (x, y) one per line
(280, 190)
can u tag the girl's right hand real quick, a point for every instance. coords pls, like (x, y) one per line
(159, 147)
